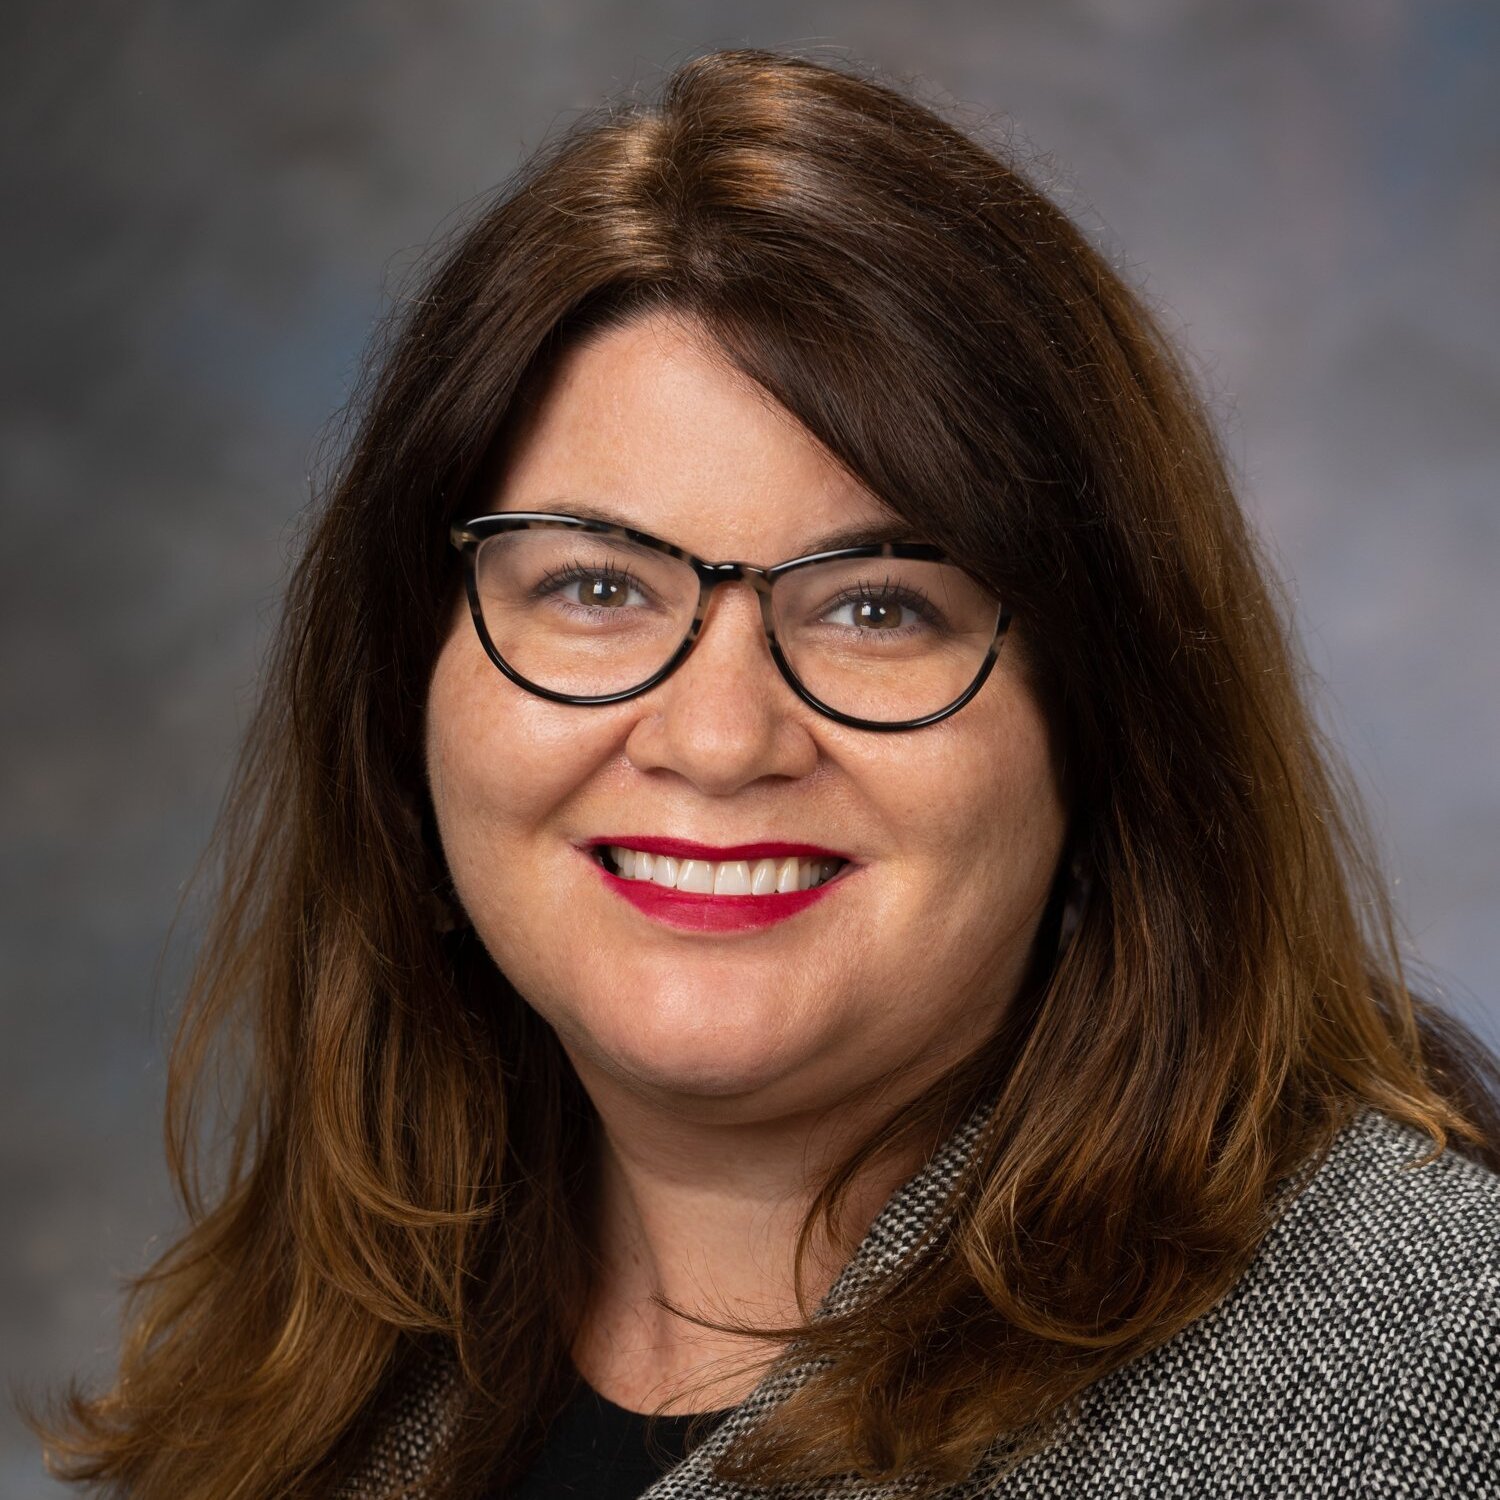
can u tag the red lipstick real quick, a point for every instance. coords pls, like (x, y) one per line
(717, 853)
(703, 912)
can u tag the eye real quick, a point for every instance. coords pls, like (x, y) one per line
(591, 588)
(879, 614)
(880, 610)
(604, 591)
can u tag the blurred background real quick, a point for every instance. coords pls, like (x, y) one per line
(209, 206)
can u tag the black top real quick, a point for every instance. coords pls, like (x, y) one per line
(598, 1450)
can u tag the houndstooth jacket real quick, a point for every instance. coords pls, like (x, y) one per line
(1359, 1355)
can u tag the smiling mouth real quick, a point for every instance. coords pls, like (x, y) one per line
(730, 877)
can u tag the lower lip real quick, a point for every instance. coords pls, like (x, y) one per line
(695, 912)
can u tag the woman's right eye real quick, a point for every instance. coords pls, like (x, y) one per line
(590, 589)
(602, 591)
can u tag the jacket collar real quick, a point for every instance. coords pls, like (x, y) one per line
(895, 1239)
(418, 1419)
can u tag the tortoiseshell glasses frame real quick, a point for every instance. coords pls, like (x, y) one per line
(467, 535)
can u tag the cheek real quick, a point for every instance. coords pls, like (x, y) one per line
(500, 761)
(986, 806)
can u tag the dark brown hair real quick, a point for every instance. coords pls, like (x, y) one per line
(406, 1165)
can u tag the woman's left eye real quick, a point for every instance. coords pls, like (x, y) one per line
(875, 613)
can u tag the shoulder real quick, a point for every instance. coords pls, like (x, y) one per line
(1359, 1355)
(1391, 1265)
(1407, 1231)
(409, 1430)
(1381, 1163)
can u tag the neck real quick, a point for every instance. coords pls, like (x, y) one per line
(707, 1216)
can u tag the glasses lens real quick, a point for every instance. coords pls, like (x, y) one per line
(580, 613)
(885, 639)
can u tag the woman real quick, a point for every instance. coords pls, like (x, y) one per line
(784, 876)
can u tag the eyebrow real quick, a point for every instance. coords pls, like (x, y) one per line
(865, 534)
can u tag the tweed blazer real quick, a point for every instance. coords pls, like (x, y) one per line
(1359, 1355)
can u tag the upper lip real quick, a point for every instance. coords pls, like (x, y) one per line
(715, 853)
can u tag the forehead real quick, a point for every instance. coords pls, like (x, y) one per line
(648, 424)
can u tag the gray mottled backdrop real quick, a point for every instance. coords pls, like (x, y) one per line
(204, 205)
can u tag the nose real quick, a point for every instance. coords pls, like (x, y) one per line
(725, 718)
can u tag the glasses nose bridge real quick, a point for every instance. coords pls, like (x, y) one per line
(758, 578)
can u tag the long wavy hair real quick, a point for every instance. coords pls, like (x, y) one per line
(404, 1166)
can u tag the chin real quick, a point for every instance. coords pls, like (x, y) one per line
(707, 1061)
(702, 1078)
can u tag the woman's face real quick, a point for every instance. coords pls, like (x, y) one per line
(953, 832)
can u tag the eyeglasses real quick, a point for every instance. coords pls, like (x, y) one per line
(893, 635)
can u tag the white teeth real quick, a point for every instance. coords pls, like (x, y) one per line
(734, 877)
